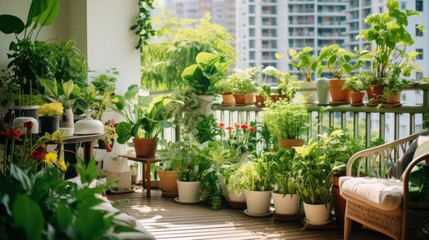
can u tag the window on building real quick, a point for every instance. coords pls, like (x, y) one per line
(273, 32)
(420, 51)
(419, 76)
(251, 43)
(251, 32)
(251, 21)
(418, 32)
(419, 5)
(380, 9)
(403, 5)
(251, 8)
(252, 55)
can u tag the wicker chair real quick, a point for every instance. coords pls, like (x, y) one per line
(408, 221)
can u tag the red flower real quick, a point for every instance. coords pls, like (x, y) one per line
(244, 126)
(29, 124)
(108, 148)
(221, 124)
(237, 125)
(252, 129)
(229, 128)
(37, 155)
(112, 122)
(15, 133)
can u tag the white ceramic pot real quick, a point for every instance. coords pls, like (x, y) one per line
(308, 94)
(317, 214)
(188, 191)
(233, 197)
(286, 204)
(206, 102)
(258, 202)
(18, 123)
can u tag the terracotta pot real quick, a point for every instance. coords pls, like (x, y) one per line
(228, 100)
(275, 98)
(339, 201)
(260, 101)
(145, 147)
(393, 98)
(168, 182)
(240, 99)
(289, 143)
(249, 98)
(356, 97)
(375, 93)
(337, 92)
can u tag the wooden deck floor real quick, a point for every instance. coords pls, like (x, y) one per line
(166, 219)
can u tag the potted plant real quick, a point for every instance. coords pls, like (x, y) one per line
(307, 64)
(285, 196)
(339, 62)
(240, 139)
(202, 76)
(245, 85)
(391, 96)
(286, 121)
(235, 200)
(314, 183)
(389, 57)
(50, 117)
(191, 166)
(145, 117)
(226, 89)
(356, 87)
(287, 84)
(256, 180)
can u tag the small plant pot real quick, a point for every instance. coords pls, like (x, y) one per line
(188, 191)
(286, 204)
(258, 202)
(168, 182)
(228, 100)
(145, 147)
(275, 98)
(393, 98)
(337, 92)
(240, 99)
(49, 124)
(356, 97)
(317, 214)
(260, 101)
(289, 143)
(249, 98)
(374, 94)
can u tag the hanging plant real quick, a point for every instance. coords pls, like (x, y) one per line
(143, 26)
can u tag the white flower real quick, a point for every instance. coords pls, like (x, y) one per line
(270, 70)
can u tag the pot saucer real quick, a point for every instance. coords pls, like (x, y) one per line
(178, 201)
(335, 103)
(357, 104)
(258, 214)
(319, 223)
(391, 105)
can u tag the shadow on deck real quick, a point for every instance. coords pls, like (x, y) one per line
(166, 219)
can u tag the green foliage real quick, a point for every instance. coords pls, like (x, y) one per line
(245, 81)
(388, 30)
(255, 175)
(304, 61)
(178, 42)
(62, 93)
(143, 26)
(207, 129)
(286, 120)
(354, 83)
(224, 86)
(44, 206)
(144, 116)
(284, 171)
(208, 70)
(314, 174)
(287, 84)
(194, 163)
(340, 62)
(419, 184)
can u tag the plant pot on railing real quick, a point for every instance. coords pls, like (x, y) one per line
(260, 101)
(228, 100)
(289, 143)
(356, 98)
(338, 95)
(249, 98)
(240, 99)
(375, 94)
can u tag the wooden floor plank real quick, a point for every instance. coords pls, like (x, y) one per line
(166, 219)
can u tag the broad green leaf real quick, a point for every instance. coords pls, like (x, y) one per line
(119, 102)
(22, 177)
(63, 216)
(132, 92)
(347, 68)
(11, 24)
(90, 224)
(124, 132)
(50, 14)
(28, 216)
(68, 88)
(36, 9)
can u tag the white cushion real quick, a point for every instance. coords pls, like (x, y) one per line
(379, 192)
(423, 146)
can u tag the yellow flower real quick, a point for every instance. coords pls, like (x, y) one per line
(51, 109)
(62, 165)
(51, 158)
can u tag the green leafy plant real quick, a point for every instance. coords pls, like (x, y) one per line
(224, 87)
(285, 120)
(208, 70)
(244, 81)
(314, 174)
(254, 175)
(284, 172)
(64, 93)
(304, 61)
(340, 62)
(287, 84)
(354, 83)
(389, 57)
(143, 26)
(207, 129)
(193, 164)
(144, 116)
(178, 42)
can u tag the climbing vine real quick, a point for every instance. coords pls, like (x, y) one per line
(143, 26)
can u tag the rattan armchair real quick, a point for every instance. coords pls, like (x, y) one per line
(408, 221)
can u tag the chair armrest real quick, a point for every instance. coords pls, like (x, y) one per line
(377, 158)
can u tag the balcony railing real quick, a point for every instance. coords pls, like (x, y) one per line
(364, 122)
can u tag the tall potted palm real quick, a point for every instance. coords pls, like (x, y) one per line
(145, 117)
